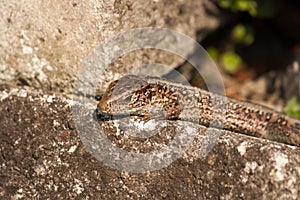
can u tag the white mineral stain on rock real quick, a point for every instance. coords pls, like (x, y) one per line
(72, 149)
(3, 67)
(116, 48)
(250, 167)
(56, 123)
(3, 95)
(50, 98)
(19, 194)
(280, 161)
(22, 93)
(142, 125)
(14, 91)
(37, 66)
(27, 49)
(78, 187)
(242, 148)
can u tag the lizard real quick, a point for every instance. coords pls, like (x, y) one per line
(152, 97)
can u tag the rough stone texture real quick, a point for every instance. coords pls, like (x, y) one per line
(43, 43)
(42, 157)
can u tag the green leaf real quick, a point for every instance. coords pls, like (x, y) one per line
(231, 61)
(243, 34)
(226, 3)
(242, 5)
(238, 5)
(292, 107)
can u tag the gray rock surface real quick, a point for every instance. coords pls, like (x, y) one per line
(42, 156)
(44, 151)
(43, 44)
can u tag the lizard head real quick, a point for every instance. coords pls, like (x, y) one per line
(132, 95)
(118, 95)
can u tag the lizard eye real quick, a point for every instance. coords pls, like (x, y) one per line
(127, 99)
(98, 97)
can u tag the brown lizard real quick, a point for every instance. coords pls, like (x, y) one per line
(151, 97)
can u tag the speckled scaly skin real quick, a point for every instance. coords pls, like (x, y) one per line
(151, 97)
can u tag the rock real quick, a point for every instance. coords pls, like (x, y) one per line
(44, 44)
(50, 147)
(43, 156)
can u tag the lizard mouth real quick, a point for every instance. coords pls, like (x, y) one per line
(101, 115)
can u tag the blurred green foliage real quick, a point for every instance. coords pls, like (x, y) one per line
(249, 14)
(238, 5)
(231, 61)
(264, 9)
(243, 34)
(292, 107)
(213, 52)
(256, 8)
